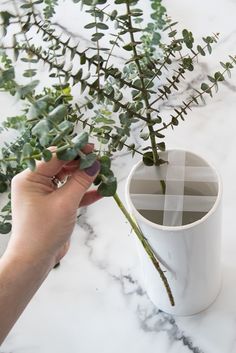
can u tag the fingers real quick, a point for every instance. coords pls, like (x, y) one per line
(77, 185)
(89, 198)
(70, 167)
(56, 166)
(67, 170)
(51, 168)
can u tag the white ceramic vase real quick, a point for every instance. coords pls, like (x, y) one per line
(183, 227)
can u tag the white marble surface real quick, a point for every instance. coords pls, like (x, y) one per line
(95, 301)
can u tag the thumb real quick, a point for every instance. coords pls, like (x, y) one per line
(79, 182)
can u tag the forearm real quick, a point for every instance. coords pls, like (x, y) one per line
(19, 280)
(43, 218)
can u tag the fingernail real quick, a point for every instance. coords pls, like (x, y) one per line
(91, 171)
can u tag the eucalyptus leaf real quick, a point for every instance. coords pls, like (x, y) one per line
(30, 73)
(80, 140)
(5, 228)
(41, 130)
(6, 17)
(148, 158)
(7, 207)
(90, 25)
(105, 165)
(8, 75)
(108, 188)
(23, 91)
(27, 150)
(161, 146)
(58, 114)
(3, 187)
(88, 161)
(47, 155)
(116, 100)
(31, 164)
(67, 155)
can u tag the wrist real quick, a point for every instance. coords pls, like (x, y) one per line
(20, 278)
(31, 250)
(28, 260)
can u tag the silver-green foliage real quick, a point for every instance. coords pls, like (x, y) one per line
(115, 98)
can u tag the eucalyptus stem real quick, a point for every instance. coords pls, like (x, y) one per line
(111, 51)
(35, 156)
(176, 78)
(52, 64)
(109, 15)
(157, 73)
(144, 89)
(77, 52)
(98, 51)
(146, 246)
(110, 136)
(194, 99)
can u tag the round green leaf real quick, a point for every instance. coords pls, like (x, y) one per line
(58, 114)
(47, 155)
(109, 188)
(219, 77)
(27, 150)
(67, 155)
(98, 180)
(105, 161)
(174, 121)
(88, 160)
(5, 228)
(102, 25)
(3, 187)
(41, 130)
(27, 89)
(31, 164)
(90, 25)
(80, 140)
(148, 158)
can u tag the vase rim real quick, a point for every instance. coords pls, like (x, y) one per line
(138, 215)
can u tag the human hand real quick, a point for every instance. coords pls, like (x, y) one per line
(43, 216)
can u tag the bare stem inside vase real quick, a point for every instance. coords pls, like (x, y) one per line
(146, 246)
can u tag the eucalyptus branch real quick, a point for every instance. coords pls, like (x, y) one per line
(113, 72)
(144, 90)
(112, 48)
(98, 50)
(58, 74)
(34, 156)
(65, 138)
(173, 33)
(219, 77)
(20, 21)
(112, 16)
(85, 105)
(175, 78)
(46, 59)
(110, 136)
(54, 117)
(158, 72)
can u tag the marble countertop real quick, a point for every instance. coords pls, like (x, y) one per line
(95, 301)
